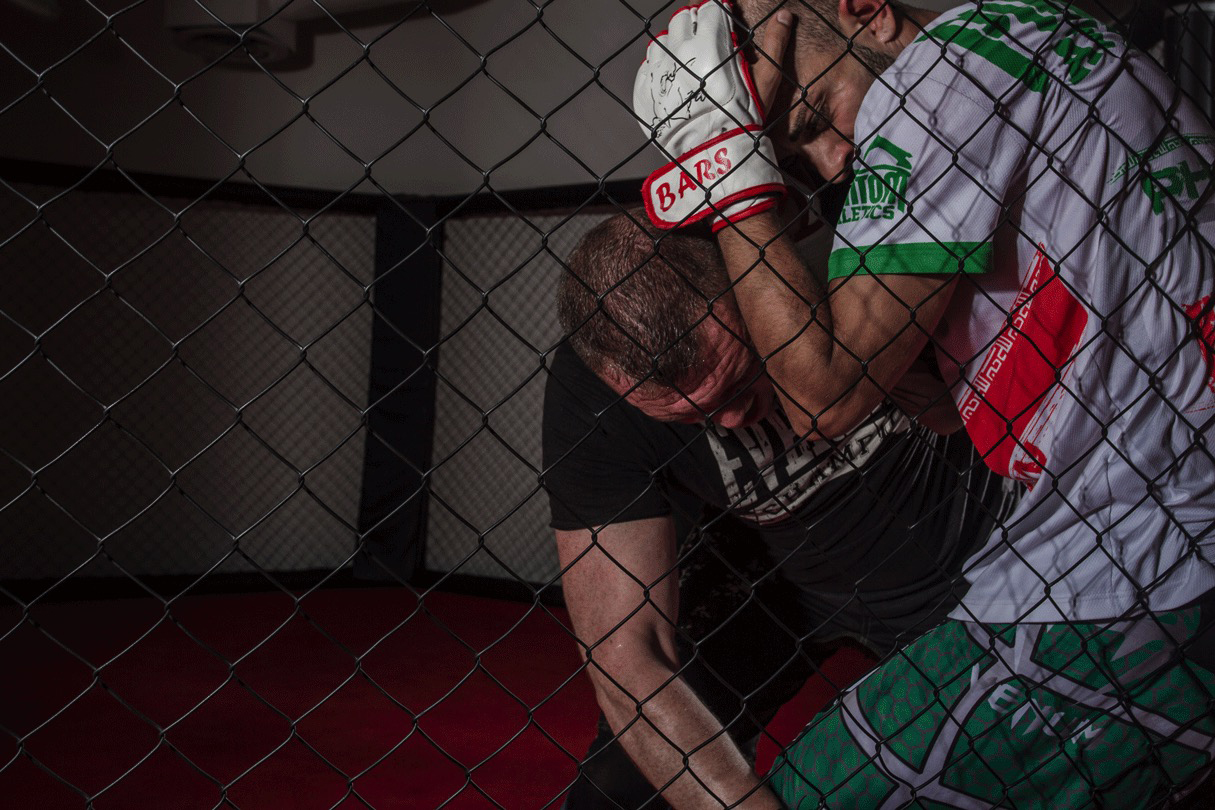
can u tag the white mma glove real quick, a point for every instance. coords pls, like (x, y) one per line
(695, 100)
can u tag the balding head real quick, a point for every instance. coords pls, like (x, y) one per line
(634, 297)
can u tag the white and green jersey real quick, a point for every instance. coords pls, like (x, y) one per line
(1027, 147)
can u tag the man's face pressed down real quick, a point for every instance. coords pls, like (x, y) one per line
(820, 126)
(728, 388)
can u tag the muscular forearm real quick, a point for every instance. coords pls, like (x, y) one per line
(621, 588)
(833, 355)
(677, 743)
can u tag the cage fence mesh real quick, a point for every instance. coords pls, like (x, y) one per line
(186, 390)
(498, 324)
(157, 386)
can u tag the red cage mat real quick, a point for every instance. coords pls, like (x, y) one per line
(350, 698)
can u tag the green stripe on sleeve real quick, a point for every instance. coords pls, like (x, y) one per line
(920, 257)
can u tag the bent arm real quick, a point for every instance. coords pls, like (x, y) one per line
(621, 589)
(924, 396)
(834, 355)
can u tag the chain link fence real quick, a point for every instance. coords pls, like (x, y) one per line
(317, 294)
(497, 326)
(136, 411)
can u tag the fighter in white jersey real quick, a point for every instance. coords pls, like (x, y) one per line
(1032, 198)
(1030, 149)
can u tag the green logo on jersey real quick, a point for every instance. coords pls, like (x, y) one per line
(880, 187)
(1159, 150)
(1181, 182)
(986, 31)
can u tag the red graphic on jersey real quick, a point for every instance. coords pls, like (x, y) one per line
(1004, 406)
(1204, 325)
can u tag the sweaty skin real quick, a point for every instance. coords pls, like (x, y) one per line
(731, 388)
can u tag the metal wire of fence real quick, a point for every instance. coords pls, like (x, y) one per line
(136, 408)
(217, 378)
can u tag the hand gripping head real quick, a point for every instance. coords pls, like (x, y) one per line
(695, 100)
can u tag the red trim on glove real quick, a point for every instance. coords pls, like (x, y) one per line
(724, 3)
(770, 201)
(661, 221)
(725, 136)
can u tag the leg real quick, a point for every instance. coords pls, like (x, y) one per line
(1110, 715)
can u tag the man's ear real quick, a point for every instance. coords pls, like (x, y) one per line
(870, 22)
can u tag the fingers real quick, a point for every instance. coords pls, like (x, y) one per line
(767, 72)
(683, 23)
(656, 50)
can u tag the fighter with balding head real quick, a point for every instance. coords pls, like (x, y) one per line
(708, 553)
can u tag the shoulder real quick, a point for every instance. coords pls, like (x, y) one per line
(572, 385)
(580, 409)
(929, 79)
(1019, 48)
(597, 450)
(931, 101)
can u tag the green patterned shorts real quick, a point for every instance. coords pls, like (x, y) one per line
(1108, 715)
